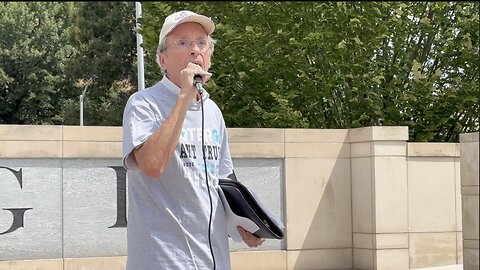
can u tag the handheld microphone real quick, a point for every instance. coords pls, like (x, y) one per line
(197, 82)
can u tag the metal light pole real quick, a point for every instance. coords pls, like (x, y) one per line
(140, 67)
(82, 96)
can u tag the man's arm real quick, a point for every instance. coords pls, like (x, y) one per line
(153, 156)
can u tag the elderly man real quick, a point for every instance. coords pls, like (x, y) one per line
(174, 156)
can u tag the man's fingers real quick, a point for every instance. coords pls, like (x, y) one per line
(250, 239)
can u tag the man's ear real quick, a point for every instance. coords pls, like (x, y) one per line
(161, 60)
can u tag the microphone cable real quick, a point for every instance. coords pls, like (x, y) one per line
(197, 79)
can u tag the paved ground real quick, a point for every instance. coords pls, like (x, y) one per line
(446, 267)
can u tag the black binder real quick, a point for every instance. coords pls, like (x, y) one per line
(243, 203)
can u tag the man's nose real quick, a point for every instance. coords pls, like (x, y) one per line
(194, 49)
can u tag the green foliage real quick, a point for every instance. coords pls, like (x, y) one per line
(48, 52)
(276, 64)
(340, 64)
(104, 36)
(33, 46)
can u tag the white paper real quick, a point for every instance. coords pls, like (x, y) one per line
(233, 220)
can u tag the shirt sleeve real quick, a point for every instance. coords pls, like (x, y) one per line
(139, 122)
(225, 167)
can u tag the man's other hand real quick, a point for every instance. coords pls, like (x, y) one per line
(250, 239)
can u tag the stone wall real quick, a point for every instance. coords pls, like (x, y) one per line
(350, 199)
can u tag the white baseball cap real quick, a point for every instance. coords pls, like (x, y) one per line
(173, 20)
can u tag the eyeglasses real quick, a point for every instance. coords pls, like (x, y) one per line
(185, 44)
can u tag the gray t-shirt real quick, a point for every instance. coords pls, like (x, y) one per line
(168, 217)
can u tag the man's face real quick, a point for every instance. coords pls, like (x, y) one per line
(177, 56)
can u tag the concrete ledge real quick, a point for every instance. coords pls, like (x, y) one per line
(256, 135)
(316, 135)
(85, 149)
(256, 150)
(31, 149)
(384, 133)
(30, 133)
(304, 150)
(469, 137)
(433, 150)
(92, 133)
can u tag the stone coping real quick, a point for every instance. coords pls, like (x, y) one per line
(238, 135)
(49, 141)
(469, 137)
(433, 149)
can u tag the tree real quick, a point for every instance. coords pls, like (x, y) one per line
(32, 53)
(340, 64)
(289, 64)
(104, 37)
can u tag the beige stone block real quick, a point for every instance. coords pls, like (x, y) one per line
(459, 248)
(458, 196)
(316, 135)
(432, 249)
(364, 134)
(378, 133)
(469, 137)
(392, 259)
(97, 263)
(470, 190)
(362, 195)
(47, 264)
(31, 149)
(362, 149)
(335, 150)
(471, 244)
(319, 259)
(257, 150)
(2, 148)
(391, 195)
(471, 259)
(256, 135)
(389, 148)
(261, 260)
(378, 148)
(76, 149)
(469, 163)
(363, 259)
(470, 219)
(363, 240)
(431, 192)
(92, 133)
(30, 133)
(392, 241)
(470, 254)
(318, 206)
(431, 149)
